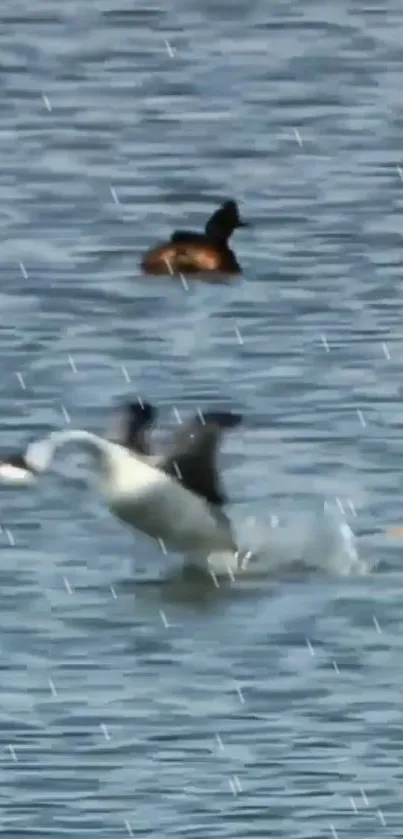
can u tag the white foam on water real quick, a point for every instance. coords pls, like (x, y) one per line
(307, 542)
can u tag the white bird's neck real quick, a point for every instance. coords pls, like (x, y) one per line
(40, 454)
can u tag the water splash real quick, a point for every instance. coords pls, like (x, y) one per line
(320, 540)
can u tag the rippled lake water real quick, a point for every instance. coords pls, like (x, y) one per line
(132, 704)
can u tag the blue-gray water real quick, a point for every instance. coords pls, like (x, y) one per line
(276, 710)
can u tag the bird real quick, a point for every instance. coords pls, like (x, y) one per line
(189, 252)
(174, 496)
(130, 429)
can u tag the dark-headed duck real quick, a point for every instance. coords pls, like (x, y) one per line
(189, 252)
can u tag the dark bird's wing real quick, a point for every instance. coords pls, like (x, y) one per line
(192, 456)
(187, 236)
(132, 423)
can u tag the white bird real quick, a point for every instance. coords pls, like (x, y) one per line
(174, 497)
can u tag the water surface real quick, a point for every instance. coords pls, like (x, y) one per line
(133, 708)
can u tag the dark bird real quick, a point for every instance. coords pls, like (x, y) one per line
(188, 252)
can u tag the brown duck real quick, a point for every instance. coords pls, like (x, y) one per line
(189, 252)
